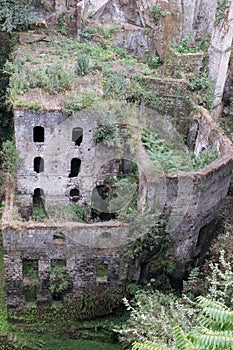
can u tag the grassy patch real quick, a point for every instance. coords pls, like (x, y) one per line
(57, 343)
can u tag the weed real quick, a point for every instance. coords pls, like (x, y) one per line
(205, 158)
(62, 23)
(203, 87)
(183, 47)
(157, 13)
(34, 106)
(21, 103)
(115, 84)
(107, 133)
(76, 101)
(162, 154)
(82, 67)
(221, 11)
(153, 62)
(71, 212)
(38, 213)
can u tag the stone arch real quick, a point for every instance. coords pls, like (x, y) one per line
(38, 199)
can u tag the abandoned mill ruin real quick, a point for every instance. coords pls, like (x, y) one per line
(122, 164)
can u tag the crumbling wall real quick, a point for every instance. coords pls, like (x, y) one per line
(37, 243)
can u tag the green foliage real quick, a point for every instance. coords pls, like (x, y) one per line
(217, 321)
(153, 62)
(183, 47)
(227, 121)
(38, 213)
(82, 67)
(85, 305)
(99, 32)
(107, 133)
(220, 281)
(167, 105)
(33, 105)
(115, 84)
(147, 345)
(153, 316)
(71, 212)
(182, 342)
(221, 11)
(53, 79)
(205, 158)
(62, 23)
(30, 268)
(75, 101)
(58, 279)
(203, 88)
(9, 157)
(157, 13)
(3, 308)
(10, 161)
(162, 154)
(6, 115)
(14, 14)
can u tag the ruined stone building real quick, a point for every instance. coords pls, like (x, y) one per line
(63, 163)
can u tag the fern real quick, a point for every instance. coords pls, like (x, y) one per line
(147, 345)
(216, 314)
(182, 341)
(214, 341)
(219, 322)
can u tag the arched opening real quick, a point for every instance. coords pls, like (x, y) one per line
(74, 195)
(75, 167)
(38, 134)
(38, 211)
(77, 136)
(38, 165)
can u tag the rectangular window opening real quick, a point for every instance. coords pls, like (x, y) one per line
(30, 268)
(102, 273)
(30, 294)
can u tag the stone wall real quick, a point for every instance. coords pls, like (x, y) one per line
(192, 200)
(38, 242)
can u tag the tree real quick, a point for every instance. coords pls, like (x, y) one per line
(14, 14)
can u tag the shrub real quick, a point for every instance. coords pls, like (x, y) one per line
(183, 47)
(14, 14)
(205, 158)
(107, 133)
(115, 84)
(162, 154)
(77, 101)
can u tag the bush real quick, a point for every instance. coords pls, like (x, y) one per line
(13, 14)
(153, 316)
(106, 133)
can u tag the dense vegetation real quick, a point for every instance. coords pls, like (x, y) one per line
(156, 316)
